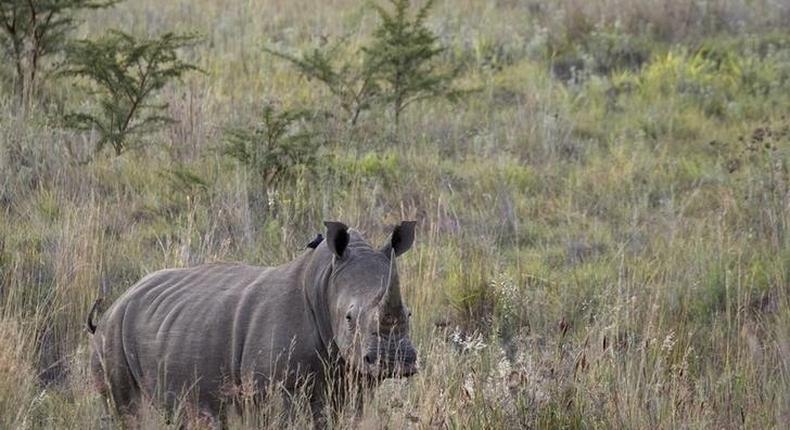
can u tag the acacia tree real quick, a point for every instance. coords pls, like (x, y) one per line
(31, 30)
(275, 147)
(398, 67)
(351, 82)
(403, 54)
(126, 74)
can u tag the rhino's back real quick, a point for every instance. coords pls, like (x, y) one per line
(206, 328)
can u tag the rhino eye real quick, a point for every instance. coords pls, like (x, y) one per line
(348, 317)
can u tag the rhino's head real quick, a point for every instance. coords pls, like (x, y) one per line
(369, 320)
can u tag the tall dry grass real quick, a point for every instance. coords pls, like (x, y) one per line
(605, 248)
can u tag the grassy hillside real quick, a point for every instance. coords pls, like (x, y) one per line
(604, 219)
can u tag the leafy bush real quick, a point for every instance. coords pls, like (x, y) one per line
(720, 83)
(352, 82)
(127, 74)
(276, 147)
(397, 68)
(403, 54)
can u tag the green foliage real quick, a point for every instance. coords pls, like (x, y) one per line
(347, 78)
(398, 67)
(127, 75)
(720, 83)
(606, 253)
(31, 30)
(276, 147)
(404, 53)
(467, 291)
(184, 184)
(377, 165)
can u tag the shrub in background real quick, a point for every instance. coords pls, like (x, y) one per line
(397, 68)
(403, 53)
(275, 148)
(349, 80)
(126, 74)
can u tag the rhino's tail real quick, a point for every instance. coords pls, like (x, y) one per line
(94, 308)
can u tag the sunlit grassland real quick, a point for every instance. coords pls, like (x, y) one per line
(603, 223)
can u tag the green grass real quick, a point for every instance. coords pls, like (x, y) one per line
(608, 251)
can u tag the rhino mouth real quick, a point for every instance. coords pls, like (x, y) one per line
(398, 361)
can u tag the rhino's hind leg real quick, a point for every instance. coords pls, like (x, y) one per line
(115, 384)
(101, 386)
(124, 393)
(97, 374)
(126, 401)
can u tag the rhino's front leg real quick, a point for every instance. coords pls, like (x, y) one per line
(320, 419)
(328, 401)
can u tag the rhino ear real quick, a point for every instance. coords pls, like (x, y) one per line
(402, 238)
(336, 237)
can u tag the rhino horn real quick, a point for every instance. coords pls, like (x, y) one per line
(391, 299)
(401, 240)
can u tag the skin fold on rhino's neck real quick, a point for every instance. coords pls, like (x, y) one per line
(314, 286)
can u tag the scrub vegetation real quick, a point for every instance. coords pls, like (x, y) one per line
(602, 190)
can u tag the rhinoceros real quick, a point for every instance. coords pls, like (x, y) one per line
(198, 334)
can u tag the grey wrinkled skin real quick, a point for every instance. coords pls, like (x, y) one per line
(201, 334)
